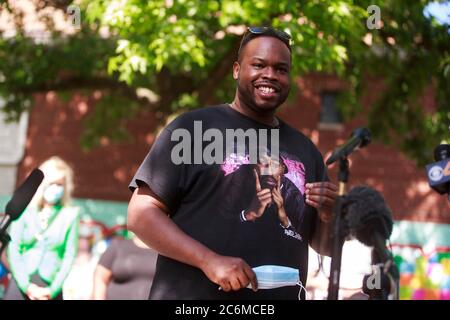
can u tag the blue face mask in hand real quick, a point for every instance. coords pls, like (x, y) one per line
(270, 277)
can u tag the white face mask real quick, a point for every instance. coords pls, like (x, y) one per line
(271, 276)
(53, 193)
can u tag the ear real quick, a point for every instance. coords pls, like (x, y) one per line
(236, 68)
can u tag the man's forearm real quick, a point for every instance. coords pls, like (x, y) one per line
(156, 229)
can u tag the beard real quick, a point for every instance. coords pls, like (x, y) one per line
(247, 94)
(268, 182)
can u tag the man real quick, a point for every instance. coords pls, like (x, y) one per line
(279, 193)
(206, 251)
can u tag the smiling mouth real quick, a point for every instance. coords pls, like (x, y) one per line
(266, 89)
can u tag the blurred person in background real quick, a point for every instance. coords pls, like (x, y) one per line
(44, 239)
(356, 262)
(80, 281)
(125, 270)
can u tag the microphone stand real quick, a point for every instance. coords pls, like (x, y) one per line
(388, 278)
(339, 232)
(394, 274)
(4, 237)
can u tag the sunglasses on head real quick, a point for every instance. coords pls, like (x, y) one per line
(259, 31)
(269, 30)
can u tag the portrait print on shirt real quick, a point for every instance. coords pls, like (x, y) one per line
(273, 186)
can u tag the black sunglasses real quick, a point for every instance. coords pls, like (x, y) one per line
(269, 30)
(252, 32)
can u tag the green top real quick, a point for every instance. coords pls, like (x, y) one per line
(47, 246)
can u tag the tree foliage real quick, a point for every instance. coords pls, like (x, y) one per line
(181, 52)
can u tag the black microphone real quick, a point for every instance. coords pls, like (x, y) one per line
(21, 198)
(369, 219)
(359, 138)
(438, 173)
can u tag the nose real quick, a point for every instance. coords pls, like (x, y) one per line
(269, 73)
(270, 169)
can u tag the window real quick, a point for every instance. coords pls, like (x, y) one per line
(330, 117)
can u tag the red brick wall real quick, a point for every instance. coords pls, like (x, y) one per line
(104, 173)
(403, 184)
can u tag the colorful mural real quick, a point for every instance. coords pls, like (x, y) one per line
(422, 254)
(423, 276)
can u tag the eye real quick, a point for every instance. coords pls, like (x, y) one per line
(283, 70)
(258, 65)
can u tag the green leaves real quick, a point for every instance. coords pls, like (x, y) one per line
(183, 50)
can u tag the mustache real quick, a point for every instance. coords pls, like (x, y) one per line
(268, 182)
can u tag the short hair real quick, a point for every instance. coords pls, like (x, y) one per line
(255, 32)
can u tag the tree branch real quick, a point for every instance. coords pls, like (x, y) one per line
(217, 74)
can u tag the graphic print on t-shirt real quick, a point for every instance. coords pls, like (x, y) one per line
(273, 184)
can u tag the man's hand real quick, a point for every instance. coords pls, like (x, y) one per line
(229, 273)
(261, 200)
(278, 200)
(322, 195)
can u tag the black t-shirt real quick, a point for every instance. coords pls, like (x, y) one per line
(209, 201)
(132, 270)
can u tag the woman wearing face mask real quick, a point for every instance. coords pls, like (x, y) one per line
(44, 239)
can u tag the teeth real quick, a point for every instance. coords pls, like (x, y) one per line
(266, 89)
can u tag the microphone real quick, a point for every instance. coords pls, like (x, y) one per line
(359, 138)
(369, 219)
(438, 173)
(21, 198)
